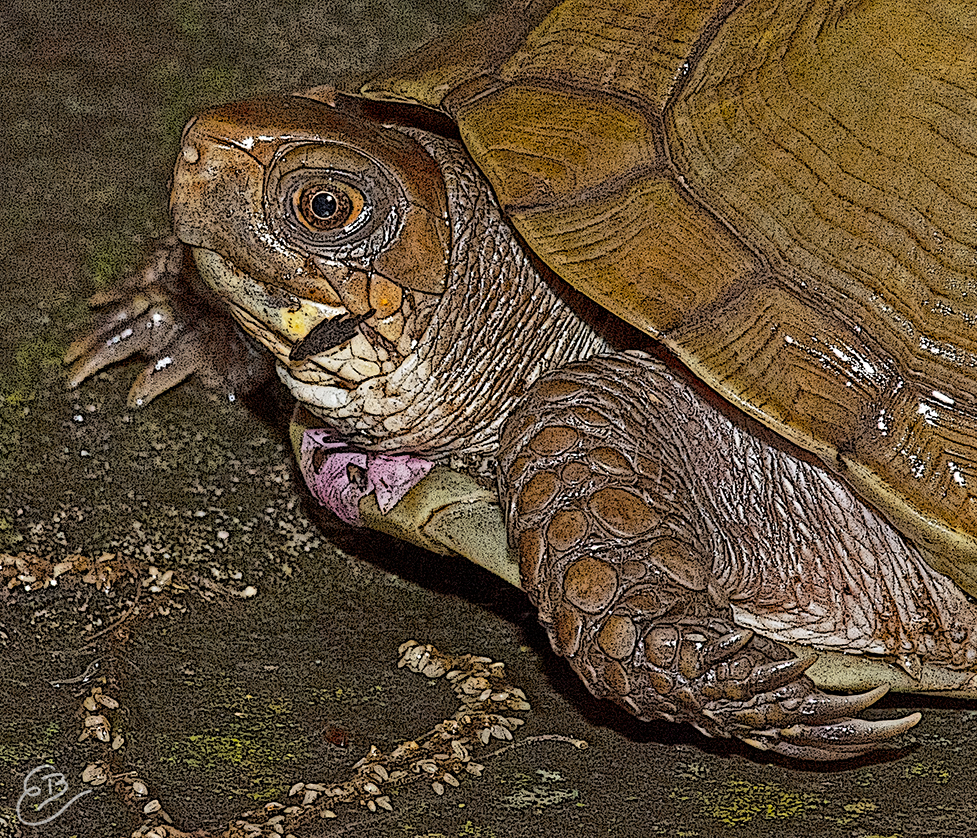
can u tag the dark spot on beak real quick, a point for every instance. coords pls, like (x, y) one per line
(328, 334)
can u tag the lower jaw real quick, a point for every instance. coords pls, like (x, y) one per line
(321, 396)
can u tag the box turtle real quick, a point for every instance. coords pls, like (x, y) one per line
(694, 282)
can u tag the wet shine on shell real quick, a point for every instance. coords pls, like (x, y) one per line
(784, 193)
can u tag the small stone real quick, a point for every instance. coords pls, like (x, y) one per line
(296, 789)
(139, 788)
(99, 726)
(152, 806)
(94, 774)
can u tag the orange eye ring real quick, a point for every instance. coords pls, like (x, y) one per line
(328, 206)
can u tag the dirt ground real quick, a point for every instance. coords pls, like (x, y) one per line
(268, 657)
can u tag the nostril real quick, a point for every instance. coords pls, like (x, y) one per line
(190, 153)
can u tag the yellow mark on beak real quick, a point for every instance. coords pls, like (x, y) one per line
(297, 324)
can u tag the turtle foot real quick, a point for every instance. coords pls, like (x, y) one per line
(778, 708)
(842, 739)
(734, 684)
(165, 313)
(619, 549)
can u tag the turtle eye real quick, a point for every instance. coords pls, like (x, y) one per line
(333, 201)
(328, 206)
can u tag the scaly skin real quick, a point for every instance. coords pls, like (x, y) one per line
(620, 586)
(618, 559)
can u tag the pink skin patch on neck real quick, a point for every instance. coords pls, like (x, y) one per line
(340, 480)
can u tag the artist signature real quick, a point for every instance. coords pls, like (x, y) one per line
(50, 782)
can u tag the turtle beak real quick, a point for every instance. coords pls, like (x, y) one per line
(328, 334)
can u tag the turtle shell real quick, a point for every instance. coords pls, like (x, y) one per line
(783, 192)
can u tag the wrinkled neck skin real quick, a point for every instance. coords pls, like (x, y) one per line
(498, 326)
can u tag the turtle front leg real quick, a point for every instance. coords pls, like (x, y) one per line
(616, 550)
(165, 313)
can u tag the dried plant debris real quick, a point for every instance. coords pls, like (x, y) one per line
(36, 572)
(488, 709)
(101, 720)
(32, 573)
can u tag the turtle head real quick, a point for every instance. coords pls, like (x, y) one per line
(326, 234)
(372, 260)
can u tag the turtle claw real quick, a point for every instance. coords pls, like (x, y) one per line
(815, 727)
(772, 676)
(725, 647)
(129, 330)
(743, 689)
(156, 379)
(824, 707)
(842, 739)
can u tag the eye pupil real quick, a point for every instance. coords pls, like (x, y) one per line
(324, 205)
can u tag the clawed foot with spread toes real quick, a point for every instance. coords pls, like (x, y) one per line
(165, 313)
